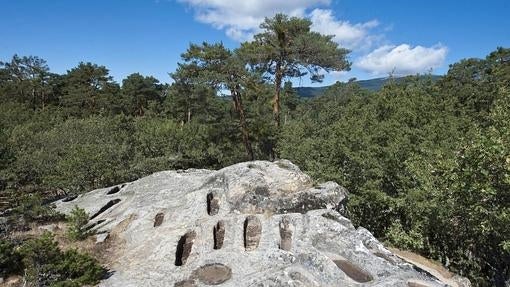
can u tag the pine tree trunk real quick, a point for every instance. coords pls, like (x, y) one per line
(34, 105)
(242, 122)
(276, 98)
(140, 112)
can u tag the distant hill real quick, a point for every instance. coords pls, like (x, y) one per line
(310, 92)
(371, 84)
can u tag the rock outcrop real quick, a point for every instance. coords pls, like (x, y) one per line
(250, 224)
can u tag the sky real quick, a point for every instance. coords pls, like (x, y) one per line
(401, 37)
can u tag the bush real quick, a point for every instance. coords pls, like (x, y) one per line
(79, 269)
(77, 220)
(46, 265)
(10, 259)
(410, 240)
(31, 208)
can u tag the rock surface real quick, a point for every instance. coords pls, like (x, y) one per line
(250, 224)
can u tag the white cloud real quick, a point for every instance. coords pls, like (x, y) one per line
(241, 18)
(351, 36)
(402, 59)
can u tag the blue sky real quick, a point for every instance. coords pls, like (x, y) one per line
(148, 36)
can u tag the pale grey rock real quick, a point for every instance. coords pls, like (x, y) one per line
(101, 237)
(464, 282)
(325, 248)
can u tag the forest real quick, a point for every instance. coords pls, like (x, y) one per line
(426, 160)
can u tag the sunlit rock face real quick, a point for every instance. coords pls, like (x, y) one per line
(251, 224)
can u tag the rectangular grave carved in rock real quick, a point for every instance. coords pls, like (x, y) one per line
(354, 272)
(184, 247)
(88, 227)
(252, 232)
(69, 198)
(158, 219)
(114, 190)
(285, 235)
(105, 207)
(213, 204)
(219, 234)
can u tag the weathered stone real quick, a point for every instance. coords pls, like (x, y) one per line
(252, 232)
(101, 237)
(275, 200)
(185, 283)
(418, 283)
(464, 282)
(285, 234)
(219, 234)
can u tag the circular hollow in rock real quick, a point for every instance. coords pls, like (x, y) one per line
(213, 274)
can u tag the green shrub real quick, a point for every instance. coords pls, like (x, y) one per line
(31, 208)
(78, 268)
(46, 265)
(76, 221)
(39, 254)
(397, 236)
(10, 259)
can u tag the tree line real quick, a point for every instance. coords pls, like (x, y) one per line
(427, 162)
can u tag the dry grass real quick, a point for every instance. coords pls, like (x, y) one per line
(433, 267)
(12, 281)
(105, 252)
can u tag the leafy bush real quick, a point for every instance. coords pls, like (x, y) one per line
(411, 240)
(39, 255)
(78, 269)
(10, 259)
(76, 221)
(31, 208)
(46, 265)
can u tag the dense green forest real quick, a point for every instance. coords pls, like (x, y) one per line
(426, 161)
